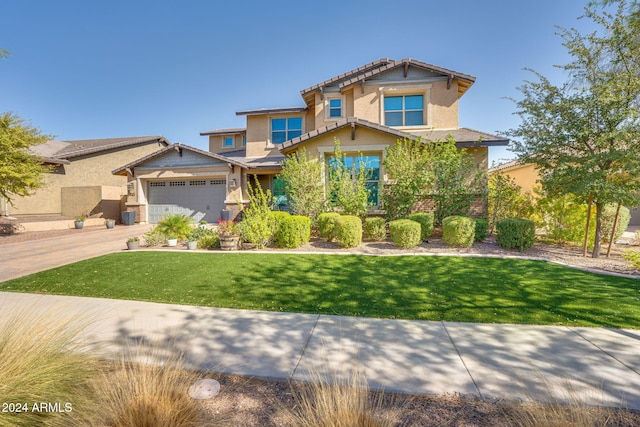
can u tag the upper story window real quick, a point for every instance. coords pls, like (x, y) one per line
(405, 110)
(335, 108)
(227, 142)
(244, 140)
(285, 129)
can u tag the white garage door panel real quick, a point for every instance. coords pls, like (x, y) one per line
(199, 198)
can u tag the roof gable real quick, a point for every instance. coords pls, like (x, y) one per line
(409, 68)
(178, 155)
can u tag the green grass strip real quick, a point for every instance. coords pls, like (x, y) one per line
(457, 289)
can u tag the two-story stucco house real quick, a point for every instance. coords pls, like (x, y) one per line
(367, 109)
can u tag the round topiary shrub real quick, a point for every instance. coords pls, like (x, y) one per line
(375, 229)
(482, 226)
(515, 233)
(348, 230)
(458, 231)
(405, 233)
(293, 231)
(327, 224)
(426, 223)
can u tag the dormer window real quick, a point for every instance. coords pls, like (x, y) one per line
(405, 110)
(285, 129)
(227, 142)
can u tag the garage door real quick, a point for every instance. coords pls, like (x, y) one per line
(196, 198)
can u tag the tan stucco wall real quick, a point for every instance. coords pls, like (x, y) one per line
(526, 176)
(215, 143)
(83, 171)
(259, 131)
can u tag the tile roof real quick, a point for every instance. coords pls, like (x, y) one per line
(372, 69)
(271, 110)
(121, 170)
(464, 137)
(506, 165)
(228, 131)
(63, 150)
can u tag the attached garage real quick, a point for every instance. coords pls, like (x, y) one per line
(200, 199)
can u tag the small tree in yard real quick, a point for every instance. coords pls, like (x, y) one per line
(347, 184)
(583, 135)
(258, 224)
(303, 184)
(407, 164)
(457, 181)
(20, 171)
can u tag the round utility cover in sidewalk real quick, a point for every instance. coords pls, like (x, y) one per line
(204, 389)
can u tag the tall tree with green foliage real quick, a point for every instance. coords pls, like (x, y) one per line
(583, 134)
(304, 184)
(348, 183)
(20, 170)
(407, 164)
(457, 179)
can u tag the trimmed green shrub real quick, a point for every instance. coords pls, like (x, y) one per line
(348, 230)
(405, 233)
(515, 233)
(458, 231)
(482, 227)
(326, 225)
(209, 241)
(375, 229)
(426, 223)
(293, 231)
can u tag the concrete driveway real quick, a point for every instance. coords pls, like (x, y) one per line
(23, 258)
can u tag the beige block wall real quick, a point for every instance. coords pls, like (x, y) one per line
(526, 176)
(83, 171)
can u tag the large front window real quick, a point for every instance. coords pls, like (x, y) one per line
(285, 129)
(406, 110)
(370, 165)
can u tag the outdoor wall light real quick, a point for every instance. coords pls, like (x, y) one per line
(233, 183)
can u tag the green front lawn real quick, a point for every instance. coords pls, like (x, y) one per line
(408, 287)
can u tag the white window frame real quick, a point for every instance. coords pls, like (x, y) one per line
(233, 141)
(270, 143)
(327, 109)
(408, 90)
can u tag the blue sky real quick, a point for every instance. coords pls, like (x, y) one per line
(85, 69)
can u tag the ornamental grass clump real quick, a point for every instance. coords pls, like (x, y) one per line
(175, 226)
(458, 231)
(375, 229)
(426, 223)
(405, 233)
(293, 231)
(41, 360)
(515, 233)
(327, 224)
(348, 230)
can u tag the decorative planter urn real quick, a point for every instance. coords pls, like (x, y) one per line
(172, 242)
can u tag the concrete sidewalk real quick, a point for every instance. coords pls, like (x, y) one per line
(600, 366)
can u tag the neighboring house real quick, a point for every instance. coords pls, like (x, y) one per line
(81, 180)
(367, 109)
(524, 174)
(528, 177)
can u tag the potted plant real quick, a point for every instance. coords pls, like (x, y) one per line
(110, 223)
(230, 234)
(174, 227)
(133, 243)
(203, 224)
(79, 221)
(192, 241)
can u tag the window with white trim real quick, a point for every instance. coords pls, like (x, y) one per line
(334, 108)
(227, 142)
(404, 110)
(285, 129)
